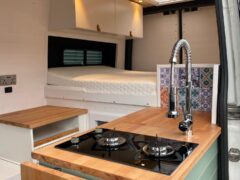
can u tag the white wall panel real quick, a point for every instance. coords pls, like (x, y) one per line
(200, 29)
(23, 51)
(160, 33)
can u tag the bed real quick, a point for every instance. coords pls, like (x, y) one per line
(102, 84)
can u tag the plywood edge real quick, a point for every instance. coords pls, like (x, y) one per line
(40, 116)
(31, 171)
(79, 167)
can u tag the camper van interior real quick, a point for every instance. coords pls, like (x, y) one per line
(119, 89)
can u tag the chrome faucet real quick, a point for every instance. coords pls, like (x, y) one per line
(186, 124)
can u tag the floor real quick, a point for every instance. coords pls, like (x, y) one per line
(9, 171)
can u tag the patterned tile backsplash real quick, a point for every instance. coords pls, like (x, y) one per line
(202, 79)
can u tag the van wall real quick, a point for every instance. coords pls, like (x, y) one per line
(161, 32)
(23, 44)
(159, 35)
(23, 51)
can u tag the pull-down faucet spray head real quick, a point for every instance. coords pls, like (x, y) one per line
(186, 124)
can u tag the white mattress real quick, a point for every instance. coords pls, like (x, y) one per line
(104, 80)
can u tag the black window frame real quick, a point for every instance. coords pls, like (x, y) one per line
(85, 59)
(57, 45)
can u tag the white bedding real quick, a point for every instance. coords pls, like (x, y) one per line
(104, 80)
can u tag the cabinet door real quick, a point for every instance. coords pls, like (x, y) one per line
(137, 20)
(129, 18)
(97, 15)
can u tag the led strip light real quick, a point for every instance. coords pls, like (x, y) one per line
(165, 2)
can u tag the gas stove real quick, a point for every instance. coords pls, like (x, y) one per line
(147, 152)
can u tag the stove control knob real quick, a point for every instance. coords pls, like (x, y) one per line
(75, 140)
(98, 130)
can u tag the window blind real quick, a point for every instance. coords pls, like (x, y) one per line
(94, 57)
(73, 57)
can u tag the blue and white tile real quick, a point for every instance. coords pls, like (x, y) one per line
(181, 77)
(195, 77)
(164, 77)
(206, 99)
(206, 75)
(196, 99)
(181, 97)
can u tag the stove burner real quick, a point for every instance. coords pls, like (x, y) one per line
(75, 140)
(111, 140)
(158, 150)
(155, 154)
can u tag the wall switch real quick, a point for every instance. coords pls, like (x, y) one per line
(7, 80)
(8, 89)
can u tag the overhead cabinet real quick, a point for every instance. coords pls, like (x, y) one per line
(129, 18)
(95, 15)
(121, 17)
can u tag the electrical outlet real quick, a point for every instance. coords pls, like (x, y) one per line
(7, 80)
(8, 89)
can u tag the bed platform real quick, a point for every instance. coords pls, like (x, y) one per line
(108, 93)
(102, 84)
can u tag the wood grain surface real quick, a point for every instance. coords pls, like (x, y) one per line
(150, 121)
(40, 116)
(57, 136)
(31, 171)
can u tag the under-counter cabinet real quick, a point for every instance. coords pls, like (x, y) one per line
(24, 131)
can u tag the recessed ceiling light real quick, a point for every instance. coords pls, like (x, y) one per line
(140, 1)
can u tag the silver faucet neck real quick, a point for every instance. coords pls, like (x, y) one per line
(176, 49)
(172, 113)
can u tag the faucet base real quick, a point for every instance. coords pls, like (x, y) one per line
(172, 114)
(189, 133)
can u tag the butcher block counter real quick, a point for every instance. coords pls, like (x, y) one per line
(149, 121)
(29, 129)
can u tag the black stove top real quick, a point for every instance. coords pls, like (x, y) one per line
(147, 152)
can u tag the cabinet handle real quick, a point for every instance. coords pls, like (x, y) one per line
(130, 34)
(98, 28)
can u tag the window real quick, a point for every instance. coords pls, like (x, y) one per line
(94, 58)
(78, 57)
(73, 57)
(77, 52)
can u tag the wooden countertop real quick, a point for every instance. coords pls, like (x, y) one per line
(40, 116)
(150, 121)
